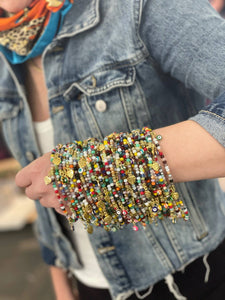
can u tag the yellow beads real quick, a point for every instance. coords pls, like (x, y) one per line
(115, 182)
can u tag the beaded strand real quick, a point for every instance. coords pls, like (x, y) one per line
(115, 182)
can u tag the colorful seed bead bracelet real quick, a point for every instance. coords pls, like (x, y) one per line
(115, 182)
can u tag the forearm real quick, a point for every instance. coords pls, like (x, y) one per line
(191, 152)
(61, 284)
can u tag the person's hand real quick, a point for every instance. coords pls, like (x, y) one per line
(32, 179)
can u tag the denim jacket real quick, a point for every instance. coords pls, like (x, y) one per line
(116, 66)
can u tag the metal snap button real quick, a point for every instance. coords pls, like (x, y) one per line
(100, 105)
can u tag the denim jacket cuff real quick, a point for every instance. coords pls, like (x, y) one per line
(212, 123)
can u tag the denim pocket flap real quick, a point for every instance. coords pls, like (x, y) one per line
(103, 81)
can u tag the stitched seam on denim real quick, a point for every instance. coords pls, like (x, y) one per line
(74, 120)
(129, 63)
(191, 209)
(92, 23)
(129, 80)
(108, 87)
(24, 99)
(198, 223)
(212, 113)
(172, 238)
(87, 26)
(197, 210)
(146, 52)
(137, 21)
(144, 100)
(137, 18)
(19, 88)
(129, 104)
(150, 236)
(105, 88)
(93, 119)
(125, 109)
(93, 20)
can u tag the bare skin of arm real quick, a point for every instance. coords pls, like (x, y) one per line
(192, 153)
(36, 90)
(61, 284)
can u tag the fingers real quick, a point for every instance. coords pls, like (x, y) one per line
(47, 197)
(22, 179)
(35, 170)
(34, 192)
(32, 179)
(42, 192)
(53, 202)
(50, 201)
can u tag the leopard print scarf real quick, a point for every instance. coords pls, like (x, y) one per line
(20, 32)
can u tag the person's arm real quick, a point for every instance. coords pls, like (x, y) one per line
(61, 284)
(191, 152)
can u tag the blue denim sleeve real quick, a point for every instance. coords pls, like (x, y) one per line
(186, 39)
(212, 118)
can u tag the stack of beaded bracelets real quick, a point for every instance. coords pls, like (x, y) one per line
(115, 182)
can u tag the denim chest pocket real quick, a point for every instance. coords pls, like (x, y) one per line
(9, 107)
(109, 100)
